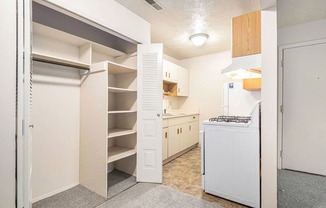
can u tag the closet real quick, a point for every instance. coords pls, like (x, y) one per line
(84, 106)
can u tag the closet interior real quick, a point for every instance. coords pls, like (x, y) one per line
(84, 105)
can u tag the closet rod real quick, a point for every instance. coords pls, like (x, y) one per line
(59, 61)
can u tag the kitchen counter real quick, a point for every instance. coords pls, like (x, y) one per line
(176, 115)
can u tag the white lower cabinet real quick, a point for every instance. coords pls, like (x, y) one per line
(174, 141)
(180, 133)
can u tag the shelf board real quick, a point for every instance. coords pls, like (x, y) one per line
(122, 111)
(59, 61)
(120, 132)
(117, 153)
(120, 90)
(115, 68)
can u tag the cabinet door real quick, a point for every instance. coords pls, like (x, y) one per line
(240, 35)
(173, 72)
(165, 70)
(183, 82)
(254, 33)
(165, 143)
(193, 128)
(184, 136)
(169, 72)
(174, 141)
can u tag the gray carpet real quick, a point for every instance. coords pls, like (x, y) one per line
(145, 195)
(301, 190)
(119, 181)
(78, 196)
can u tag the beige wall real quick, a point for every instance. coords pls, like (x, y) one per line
(206, 83)
(8, 96)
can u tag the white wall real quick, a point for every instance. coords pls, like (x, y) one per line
(110, 14)
(269, 110)
(302, 32)
(55, 139)
(205, 83)
(8, 97)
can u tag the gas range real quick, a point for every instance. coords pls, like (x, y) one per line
(234, 119)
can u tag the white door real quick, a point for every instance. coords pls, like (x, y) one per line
(304, 101)
(149, 113)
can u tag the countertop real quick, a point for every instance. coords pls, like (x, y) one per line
(179, 114)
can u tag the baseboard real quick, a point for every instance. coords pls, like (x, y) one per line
(169, 159)
(54, 192)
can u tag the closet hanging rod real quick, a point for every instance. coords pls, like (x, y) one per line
(59, 61)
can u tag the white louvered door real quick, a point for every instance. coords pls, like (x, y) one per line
(149, 113)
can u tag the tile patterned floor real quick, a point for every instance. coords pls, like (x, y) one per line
(184, 174)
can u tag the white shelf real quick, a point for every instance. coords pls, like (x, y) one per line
(117, 153)
(120, 132)
(60, 61)
(120, 90)
(122, 111)
(115, 68)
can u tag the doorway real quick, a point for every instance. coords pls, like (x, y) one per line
(302, 145)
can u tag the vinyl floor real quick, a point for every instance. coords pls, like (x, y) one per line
(184, 174)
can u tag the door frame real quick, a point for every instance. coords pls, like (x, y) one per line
(282, 48)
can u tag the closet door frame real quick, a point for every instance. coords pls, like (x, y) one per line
(23, 106)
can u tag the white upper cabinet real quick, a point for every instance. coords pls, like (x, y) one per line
(183, 81)
(170, 72)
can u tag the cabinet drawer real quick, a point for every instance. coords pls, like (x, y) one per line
(181, 120)
(165, 123)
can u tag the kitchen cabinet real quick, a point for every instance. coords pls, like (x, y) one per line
(252, 84)
(246, 34)
(165, 143)
(170, 73)
(193, 129)
(182, 134)
(175, 80)
(183, 81)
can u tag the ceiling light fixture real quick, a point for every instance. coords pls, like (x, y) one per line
(199, 39)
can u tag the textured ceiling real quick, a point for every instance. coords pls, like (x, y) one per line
(292, 12)
(182, 18)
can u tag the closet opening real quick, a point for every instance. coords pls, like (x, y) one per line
(84, 110)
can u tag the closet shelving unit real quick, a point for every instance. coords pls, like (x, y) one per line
(122, 100)
(109, 130)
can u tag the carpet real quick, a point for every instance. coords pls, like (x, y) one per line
(301, 190)
(77, 197)
(119, 181)
(146, 195)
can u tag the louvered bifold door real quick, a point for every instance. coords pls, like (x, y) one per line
(149, 113)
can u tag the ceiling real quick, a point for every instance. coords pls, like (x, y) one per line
(292, 12)
(179, 19)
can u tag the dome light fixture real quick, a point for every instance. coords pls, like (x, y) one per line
(199, 39)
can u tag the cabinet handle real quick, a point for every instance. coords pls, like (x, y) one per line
(177, 131)
(169, 74)
(189, 128)
(166, 135)
(166, 74)
(178, 89)
(194, 117)
(180, 130)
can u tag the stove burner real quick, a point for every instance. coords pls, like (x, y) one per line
(235, 119)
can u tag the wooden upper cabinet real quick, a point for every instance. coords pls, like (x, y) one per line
(246, 34)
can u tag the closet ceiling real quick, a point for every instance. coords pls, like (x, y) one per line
(179, 19)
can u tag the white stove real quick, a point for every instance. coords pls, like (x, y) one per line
(231, 157)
